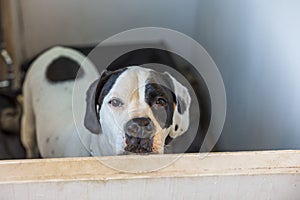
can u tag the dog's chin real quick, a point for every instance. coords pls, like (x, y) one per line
(138, 145)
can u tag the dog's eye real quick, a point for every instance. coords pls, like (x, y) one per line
(161, 102)
(116, 102)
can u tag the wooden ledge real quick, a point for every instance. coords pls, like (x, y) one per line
(233, 175)
(151, 166)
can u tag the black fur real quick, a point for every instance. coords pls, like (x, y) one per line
(181, 105)
(63, 69)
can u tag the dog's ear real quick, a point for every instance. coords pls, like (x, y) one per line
(91, 118)
(181, 112)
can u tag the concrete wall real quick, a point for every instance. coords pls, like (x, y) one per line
(81, 22)
(256, 46)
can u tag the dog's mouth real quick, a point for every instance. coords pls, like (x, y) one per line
(138, 145)
(135, 145)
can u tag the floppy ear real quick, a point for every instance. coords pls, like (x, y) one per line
(91, 118)
(181, 112)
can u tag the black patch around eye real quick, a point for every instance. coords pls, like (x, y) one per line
(63, 69)
(105, 85)
(163, 114)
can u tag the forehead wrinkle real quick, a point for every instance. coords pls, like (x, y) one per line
(132, 82)
(138, 106)
(133, 102)
(143, 77)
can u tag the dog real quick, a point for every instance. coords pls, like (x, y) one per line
(130, 110)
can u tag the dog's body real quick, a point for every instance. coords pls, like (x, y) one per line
(130, 110)
(47, 123)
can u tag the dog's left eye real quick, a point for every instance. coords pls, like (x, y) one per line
(116, 102)
(161, 101)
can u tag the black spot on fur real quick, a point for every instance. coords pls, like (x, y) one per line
(63, 69)
(176, 127)
(181, 107)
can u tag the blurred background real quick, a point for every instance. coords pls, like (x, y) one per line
(254, 43)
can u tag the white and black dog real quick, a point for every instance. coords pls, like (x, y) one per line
(131, 110)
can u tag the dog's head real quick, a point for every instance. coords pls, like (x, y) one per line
(136, 109)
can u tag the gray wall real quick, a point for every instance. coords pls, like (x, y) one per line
(255, 44)
(91, 21)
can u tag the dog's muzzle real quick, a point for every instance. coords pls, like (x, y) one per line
(139, 135)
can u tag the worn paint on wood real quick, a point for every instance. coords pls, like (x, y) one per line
(239, 175)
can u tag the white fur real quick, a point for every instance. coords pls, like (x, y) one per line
(48, 112)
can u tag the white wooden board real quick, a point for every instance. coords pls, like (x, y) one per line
(239, 175)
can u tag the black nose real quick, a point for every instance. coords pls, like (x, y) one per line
(141, 127)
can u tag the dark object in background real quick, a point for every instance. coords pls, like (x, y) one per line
(10, 121)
